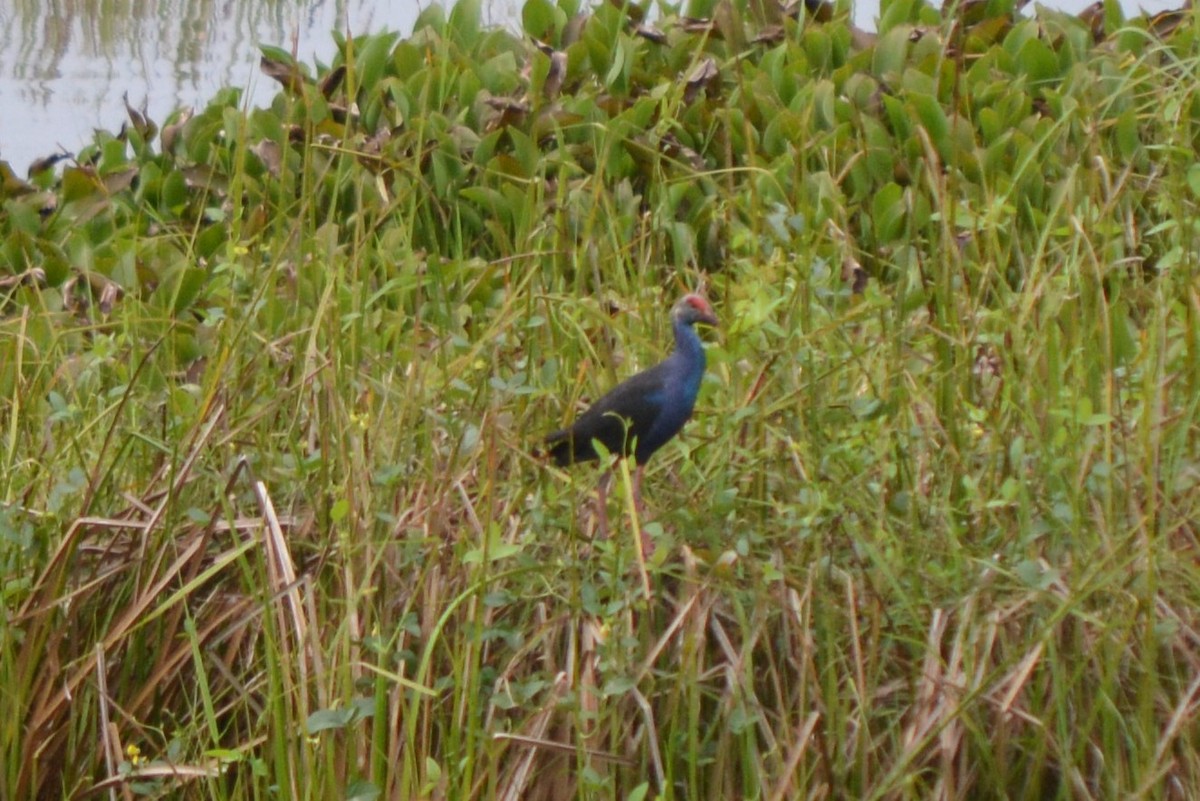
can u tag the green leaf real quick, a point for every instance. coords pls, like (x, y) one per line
(374, 57)
(465, 20)
(893, 13)
(933, 119)
(79, 183)
(887, 213)
(191, 280)
(1036, 60)
(432, 18)
(1127, 136)
(1034, 575)
(539, 19)
(325, 719)
(891, 52)
(362, 790)
(276, 54)
(823, 104)
(1193, 179)
(433, 774)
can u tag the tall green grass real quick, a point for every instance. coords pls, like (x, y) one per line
(272, 525)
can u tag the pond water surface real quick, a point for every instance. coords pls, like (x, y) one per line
(65, 64)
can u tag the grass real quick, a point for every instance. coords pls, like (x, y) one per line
(271, 524)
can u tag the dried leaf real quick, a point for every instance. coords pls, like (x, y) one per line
(651, 33)
(701, 25)
(1164, 23)
(11, 185)
(770, 35)
(556, 75)
(854, 274)
(140, 120)
(510, 112)
(330, 83)
(43, 164)
(115, 182)
(672, 148)
(170, 133)
(705, 76)
(33, 277)
(286, 73)
(270, 154)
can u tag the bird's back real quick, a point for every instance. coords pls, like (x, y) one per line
(637, 417)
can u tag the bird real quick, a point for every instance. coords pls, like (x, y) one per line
(642, 413)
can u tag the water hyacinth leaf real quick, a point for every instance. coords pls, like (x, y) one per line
(861, 90)
(541, 20)
(492, 203)
(497, 551)
(362, 790)
(599, 37)
(374, 59)
(432, 19)
(210, 240)
(1038, 61)
(823, 104)
(891, 53)
(464, 23)
(500, 74)
(897, 13)
(174, 193)
(897, 117)
(526, 152)
(1193, 179)
(407, 59)
(185, 287)
(933, 119)
(887, 212)
(990, 126)
(782, 132)
(331, 718)
(818, 46)
(1127, 136)
(79, 183)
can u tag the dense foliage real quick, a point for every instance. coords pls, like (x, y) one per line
(269, 381)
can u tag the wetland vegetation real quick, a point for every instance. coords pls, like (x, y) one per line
(270, 524)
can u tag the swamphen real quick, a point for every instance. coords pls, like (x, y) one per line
(641, 414)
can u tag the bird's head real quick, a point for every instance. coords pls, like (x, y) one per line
(692, 309)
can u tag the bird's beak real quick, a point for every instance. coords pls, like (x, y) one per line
(708, 318)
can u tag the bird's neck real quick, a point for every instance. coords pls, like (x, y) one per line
(688, 346)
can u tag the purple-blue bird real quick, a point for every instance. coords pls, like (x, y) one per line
(641, 414)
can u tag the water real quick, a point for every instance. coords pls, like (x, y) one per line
(65, 64)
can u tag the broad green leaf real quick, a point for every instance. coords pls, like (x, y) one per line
(374, 56)
(891, 52)
(887, 212)
(933, 119)
(895, 13)
(1127, 136)
(540, 19)
(1037, 60)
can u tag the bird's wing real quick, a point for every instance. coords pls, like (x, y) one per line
(638, 400)
(617, 419)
